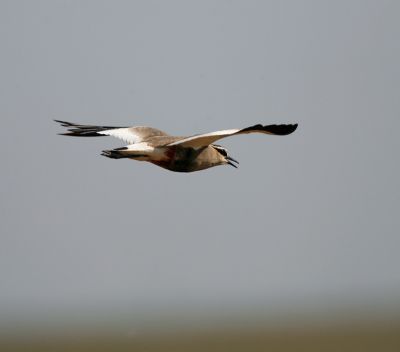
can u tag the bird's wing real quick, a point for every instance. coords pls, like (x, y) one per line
(202, 140)
(130, 135)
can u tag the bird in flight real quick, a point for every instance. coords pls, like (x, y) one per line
(180, 154)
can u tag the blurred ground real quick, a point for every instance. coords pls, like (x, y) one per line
(366, 336)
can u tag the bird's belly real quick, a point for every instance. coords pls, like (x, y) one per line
(176, 165)
(181, 160)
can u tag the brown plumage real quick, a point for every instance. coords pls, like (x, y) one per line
(181, 154)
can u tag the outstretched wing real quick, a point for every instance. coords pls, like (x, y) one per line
(130, 135)
(202, 140)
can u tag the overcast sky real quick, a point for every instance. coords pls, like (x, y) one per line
(313, 216)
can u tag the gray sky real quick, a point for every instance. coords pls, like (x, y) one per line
(309, 217)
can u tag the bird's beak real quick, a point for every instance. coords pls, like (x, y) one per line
(230, 159)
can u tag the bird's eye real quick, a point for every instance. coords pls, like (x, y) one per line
(222, 151)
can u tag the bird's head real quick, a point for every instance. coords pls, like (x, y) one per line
(224, 157)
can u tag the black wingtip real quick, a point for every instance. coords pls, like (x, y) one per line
(65, 123)
(77, 130)
(279, 130)
(294, 127)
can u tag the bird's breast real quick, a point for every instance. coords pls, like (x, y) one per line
(180, 159)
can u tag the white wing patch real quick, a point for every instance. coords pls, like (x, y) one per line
(132, 135)
(126, 134)
(139, 147)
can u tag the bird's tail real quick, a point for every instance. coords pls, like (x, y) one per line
(117, 153)
(124, 152)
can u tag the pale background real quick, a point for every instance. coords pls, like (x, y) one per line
(308, 221)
